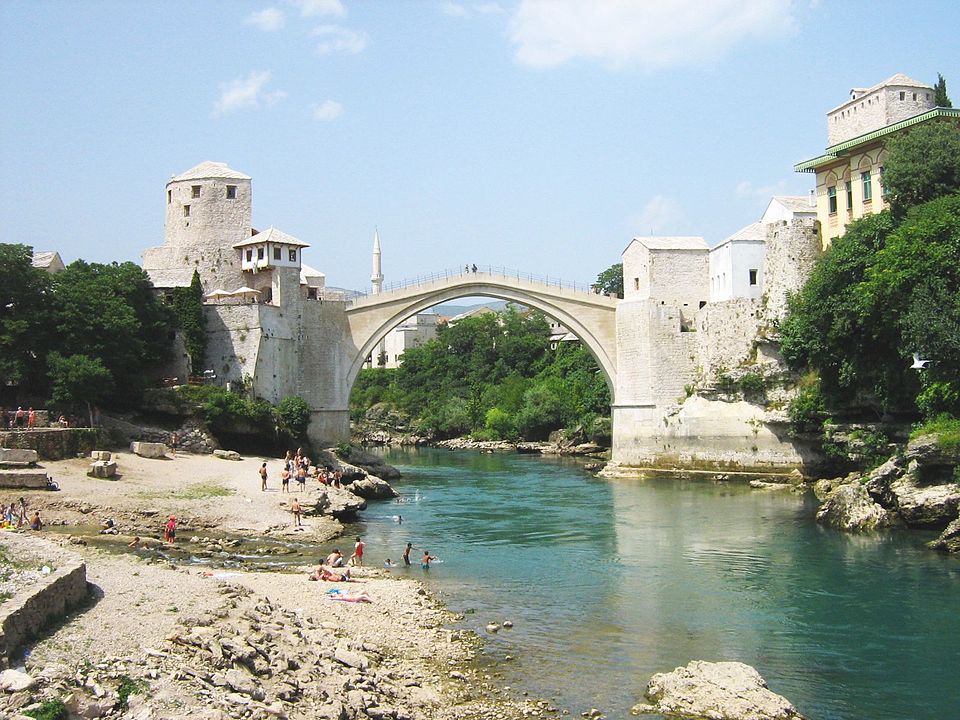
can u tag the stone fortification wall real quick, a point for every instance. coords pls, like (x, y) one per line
(325, 355)
(792, 251)
(726, 334)
(877, 109)
(233, 340)
(56, 443)
(47, 600)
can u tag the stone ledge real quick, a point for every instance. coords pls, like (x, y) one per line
(24, 616)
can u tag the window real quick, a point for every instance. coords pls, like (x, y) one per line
(195, 191)
(186, 211)
(249, 255)
(753, 277)
(903, 95)
(867, 187)
(276, 253)
(231, 192)
(636, 283)
(293, 256)
(849, 195)
(169, 196)
(259, 253)
(914, 97)
(832, 199)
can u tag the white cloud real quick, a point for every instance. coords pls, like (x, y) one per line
(453, 9)
(651, 35)
(313, 8)
(247, 93)
(746, 189)
(268, 19)
(336, 38)
(660, 214)
(489, 8)
(327, 110)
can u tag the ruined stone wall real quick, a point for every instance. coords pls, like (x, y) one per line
(792, 251)
(325, 355)
(726, 333)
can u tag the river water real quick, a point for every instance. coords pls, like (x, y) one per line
(610, 581)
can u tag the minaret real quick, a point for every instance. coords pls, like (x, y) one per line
(376, 279)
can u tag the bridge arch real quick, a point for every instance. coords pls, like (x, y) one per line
(589, 316)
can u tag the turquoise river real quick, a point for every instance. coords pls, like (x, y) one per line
(610, 581)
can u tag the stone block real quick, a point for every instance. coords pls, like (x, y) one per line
(149, 449)
(103, 469)
(17, 455)
(101, 455)
(33, 479)
(227, 454)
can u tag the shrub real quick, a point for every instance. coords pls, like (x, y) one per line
(752, 384)
(500, 424)
(945, 427)
(293, 416)
(49, 710)
(807, 410)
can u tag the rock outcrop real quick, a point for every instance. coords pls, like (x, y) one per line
(715, 691)
(916, 489)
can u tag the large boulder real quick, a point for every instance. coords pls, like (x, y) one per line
(372, 488)
(923, 505)
(341, 504)
(715, 691)
(927, 450)
(881, 478)
(949, 540)
(850, 507)
(153, 450)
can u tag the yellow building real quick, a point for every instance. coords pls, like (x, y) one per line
(850, 171)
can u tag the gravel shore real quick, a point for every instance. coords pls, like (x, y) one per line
(162, 641)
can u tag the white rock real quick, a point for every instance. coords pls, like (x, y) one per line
(15, 681)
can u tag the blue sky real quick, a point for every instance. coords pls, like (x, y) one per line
(536, 135)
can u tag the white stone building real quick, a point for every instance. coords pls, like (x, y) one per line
(48, 260)
(672, 270)
(412, 332)
(736, 265)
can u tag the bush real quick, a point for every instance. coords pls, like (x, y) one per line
(49, 710)
(500, 424)
(807, 410)
(224, 411)
(752, 384)
(293, 416)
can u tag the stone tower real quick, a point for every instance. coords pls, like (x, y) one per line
(208, 211)
(376, 277)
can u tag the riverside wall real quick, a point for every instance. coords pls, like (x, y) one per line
(39, 605)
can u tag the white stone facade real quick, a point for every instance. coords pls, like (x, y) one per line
(736, 265)
(672, 270)
(412, 332)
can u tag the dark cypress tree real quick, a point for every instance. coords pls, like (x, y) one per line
(940, 98)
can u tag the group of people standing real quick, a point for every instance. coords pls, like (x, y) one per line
(298, 467)
(18, 419)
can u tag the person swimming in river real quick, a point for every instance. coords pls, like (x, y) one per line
(425, 560)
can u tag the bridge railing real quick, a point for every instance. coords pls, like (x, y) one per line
(499, 271)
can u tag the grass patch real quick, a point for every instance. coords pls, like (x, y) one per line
(199, 491)
(945, 427)
(128, 687)
(49, 710)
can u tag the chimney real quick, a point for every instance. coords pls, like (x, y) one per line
(812, 199)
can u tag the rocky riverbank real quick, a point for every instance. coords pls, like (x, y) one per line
(915, 489)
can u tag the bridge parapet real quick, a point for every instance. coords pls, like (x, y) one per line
(488, 274)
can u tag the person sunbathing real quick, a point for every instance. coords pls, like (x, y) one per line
(329, 575)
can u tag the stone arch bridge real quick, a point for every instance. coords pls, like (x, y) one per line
(588, 315)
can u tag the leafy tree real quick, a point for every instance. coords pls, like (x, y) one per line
(77, 379)
(293, 416)
(111, 312)
(24, 317)
(611, 280)
(543, 410)
(188, 310)
(500, 423)
(922, 165)
(940, 98)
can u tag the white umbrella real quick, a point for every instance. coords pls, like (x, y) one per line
(244, 291)
(217, 294)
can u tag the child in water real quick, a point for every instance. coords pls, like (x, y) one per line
(425, 560)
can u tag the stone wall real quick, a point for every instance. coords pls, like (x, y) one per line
(56, 443)
(25, 615)
(792, 250)
(726, 334)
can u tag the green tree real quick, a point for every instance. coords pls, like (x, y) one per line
(188, 311)
(111, 312)
(77, 379)
(611, 280)
(24, 318)
(940, 97)
(293, 416)
(922, 165)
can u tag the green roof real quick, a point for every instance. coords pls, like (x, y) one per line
(835, 151)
